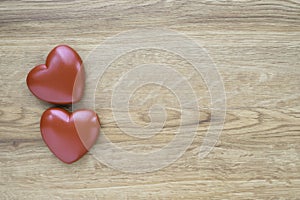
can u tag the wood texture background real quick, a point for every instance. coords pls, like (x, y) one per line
(256, 47)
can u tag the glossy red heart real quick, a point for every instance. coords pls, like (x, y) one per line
(69, 135)
(61, 79)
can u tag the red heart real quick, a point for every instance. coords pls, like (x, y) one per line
(61, 79)
(69, 135)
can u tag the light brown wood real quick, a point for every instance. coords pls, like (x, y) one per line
(255, 46)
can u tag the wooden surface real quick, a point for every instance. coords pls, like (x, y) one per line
(256, 48)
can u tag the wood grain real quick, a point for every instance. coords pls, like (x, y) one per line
(255, 46)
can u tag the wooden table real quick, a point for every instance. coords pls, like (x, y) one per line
(255, 46)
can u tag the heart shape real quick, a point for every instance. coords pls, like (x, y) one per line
(69, 135)
(61, 79)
